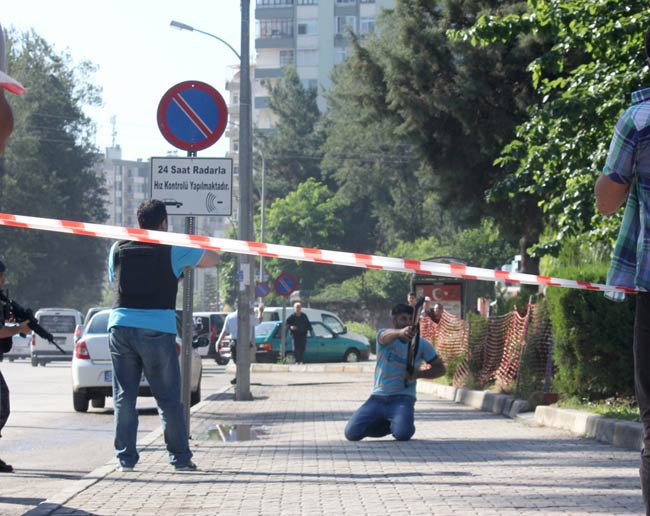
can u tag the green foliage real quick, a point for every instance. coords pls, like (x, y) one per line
(47, 172)
(618, 408)
(306, 217)
(592, 60)
(366, 330)
(592, 337)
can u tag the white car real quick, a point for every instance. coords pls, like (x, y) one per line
(60, 322)
(92, 371)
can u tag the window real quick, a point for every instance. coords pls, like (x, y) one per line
(274, 28)
(274, 2)
(309, 84)
(366, 25)
(345, 21)
(307, 27)
(307, 2)
(321, 331)
(340, 53)
(346, 1)
(286, 57)
(333, 323)
(367, 1)
(307, 57)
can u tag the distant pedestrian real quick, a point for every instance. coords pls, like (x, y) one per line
(390, 408)
(142, 335)
(230, 329)
(438, 310)
(411, 298)
(626, 176)
(299, 326)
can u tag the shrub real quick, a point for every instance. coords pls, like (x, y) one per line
(592, 338)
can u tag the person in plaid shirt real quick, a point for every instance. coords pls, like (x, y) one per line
(626, 176)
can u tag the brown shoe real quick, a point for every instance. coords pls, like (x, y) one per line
(6, 468)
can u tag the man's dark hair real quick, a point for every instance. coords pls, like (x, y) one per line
(151, 214)
(401, 308)
(647, 43)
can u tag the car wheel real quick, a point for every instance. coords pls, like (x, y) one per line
(195, 396)
(34, 362)
(351, 355)
(80, 401)
(99, 402)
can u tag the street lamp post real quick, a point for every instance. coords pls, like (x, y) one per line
(246, 292)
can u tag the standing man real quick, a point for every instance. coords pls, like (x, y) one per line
(6, 332)
(411, 298)
(230, 328)
(142, 328)
(390, 408)
(438, 310)
(627, 171)
(299, 326)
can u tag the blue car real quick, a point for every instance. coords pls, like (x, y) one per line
(324, 345)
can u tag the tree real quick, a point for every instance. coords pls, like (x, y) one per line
(307, 217)
(292, 148)
(453, 105)
(47, 171)
(583, 79)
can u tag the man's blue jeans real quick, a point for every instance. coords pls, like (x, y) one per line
(134, 351)
(383, 415)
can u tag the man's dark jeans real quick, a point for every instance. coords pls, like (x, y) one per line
(642, 385)
(299, 346)
(4, 402)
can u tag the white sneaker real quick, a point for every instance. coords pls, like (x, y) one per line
(125, 469)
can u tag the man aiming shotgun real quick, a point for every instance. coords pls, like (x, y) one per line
(390, 408)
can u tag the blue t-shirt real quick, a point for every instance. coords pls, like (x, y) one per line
(390, 370)
(163, 320)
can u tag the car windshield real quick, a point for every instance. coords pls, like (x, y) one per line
(263, 329)
(58, 323)
(99, 323)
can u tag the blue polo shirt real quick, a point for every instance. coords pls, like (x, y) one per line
(390, 370)
(163, 320)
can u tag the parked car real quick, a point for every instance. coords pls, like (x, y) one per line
(92, 371)
(210, 324)
(324, 346)
(60, 322)
(80, 327)
(20, 348)
(330, 319)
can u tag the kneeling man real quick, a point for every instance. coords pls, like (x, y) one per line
(390, 408)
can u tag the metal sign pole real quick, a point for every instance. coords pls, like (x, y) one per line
(283, 329)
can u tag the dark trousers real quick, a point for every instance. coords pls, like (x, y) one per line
(4, 402)
(299, 345)
(642, 385)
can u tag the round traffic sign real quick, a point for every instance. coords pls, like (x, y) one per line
(192, 115)
(262, 289)
(285, 284)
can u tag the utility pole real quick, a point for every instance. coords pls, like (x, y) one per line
(246, 276)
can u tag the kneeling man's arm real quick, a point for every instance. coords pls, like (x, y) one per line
(436, 370)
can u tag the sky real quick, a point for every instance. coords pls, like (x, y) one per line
(139, 57)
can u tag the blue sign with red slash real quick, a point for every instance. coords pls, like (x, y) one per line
(262, 289)
(285, 284)
(192, 115)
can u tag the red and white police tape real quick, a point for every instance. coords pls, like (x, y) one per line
(306, 254)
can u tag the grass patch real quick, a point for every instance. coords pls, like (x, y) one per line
(618, 408)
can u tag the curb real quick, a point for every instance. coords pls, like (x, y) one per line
(622, 434)
(503, 404)
(354, 367)
(47, 507)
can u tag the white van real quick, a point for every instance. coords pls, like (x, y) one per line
(329, 319)
(61, 323)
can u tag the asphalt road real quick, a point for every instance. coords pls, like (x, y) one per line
(49, 444)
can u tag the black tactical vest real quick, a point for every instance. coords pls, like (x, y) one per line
(144, 275)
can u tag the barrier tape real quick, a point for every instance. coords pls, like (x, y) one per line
(305, 254)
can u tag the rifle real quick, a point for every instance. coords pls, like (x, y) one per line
(21, 314)
(414, 343)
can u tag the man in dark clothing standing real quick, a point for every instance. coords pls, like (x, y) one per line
(299, 325)
(6, 332)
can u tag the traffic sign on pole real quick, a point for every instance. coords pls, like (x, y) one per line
(192, 115)
(285, 284)
(262, 289)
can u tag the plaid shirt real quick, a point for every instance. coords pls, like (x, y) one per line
(628, 162)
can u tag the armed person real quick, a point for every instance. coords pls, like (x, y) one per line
(6, 333)
(390, 408)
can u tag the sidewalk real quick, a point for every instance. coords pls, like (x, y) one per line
(461, 462)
